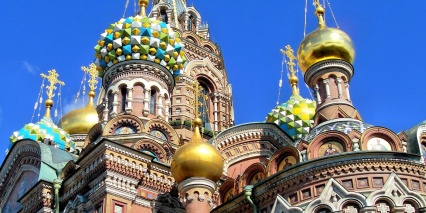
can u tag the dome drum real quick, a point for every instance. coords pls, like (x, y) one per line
(129, 68)
(317, 70)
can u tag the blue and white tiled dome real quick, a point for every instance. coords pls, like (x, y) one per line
(45, 129)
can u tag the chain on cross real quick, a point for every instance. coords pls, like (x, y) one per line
(93, 72)
(197, 89)
(53, 79)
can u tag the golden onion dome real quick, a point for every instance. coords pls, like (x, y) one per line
(197, 159)
(80, 121)
(324, 43)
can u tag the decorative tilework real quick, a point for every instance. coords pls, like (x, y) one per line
(45, 129)
(140, 38)
(295, 116)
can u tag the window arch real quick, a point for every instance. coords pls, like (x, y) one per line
(153, 101)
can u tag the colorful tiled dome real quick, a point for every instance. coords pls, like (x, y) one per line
(295, 116)
(45, 129)
(140, 38)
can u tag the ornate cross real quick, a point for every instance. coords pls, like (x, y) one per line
(93, 72)
(290, 55)
(351, 209)
(292, 78)
(53, 79)
(409, 208)
(383, 208)
(197, 89)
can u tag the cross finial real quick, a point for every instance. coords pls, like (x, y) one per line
(143, 4)
(52, 77)
(93, 72)
(293, 78)
(197, 89)
(319, 12)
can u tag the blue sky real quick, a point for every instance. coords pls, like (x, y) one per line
(387, 88)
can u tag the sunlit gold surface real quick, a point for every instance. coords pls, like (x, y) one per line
(197, 159)
(80, 121)
(324, 44)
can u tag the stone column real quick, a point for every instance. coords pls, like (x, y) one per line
(327, 88)
(169, 17)
(160, 106)
(317, 94)
(215, 112)
(106, 110)
(347, 91)
(114, 104)
(167, 114)
(197, 193)
(129, 100)
(186, 21)
(339, 87)
(146, 102)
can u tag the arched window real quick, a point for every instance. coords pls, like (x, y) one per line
(123, 91)
(153, 101)
(204, 107)
(191, 23)
(164, 17)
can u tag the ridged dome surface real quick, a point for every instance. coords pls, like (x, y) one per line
(295, 116)
(324, 44)
(140, 38)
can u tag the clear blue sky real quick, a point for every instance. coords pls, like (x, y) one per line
(388, 86)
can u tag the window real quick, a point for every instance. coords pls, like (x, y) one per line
(204, 107)
(178, 100)
(177, 111)
(178, 90)
(153, 102)
(164, 17)
(123, 98)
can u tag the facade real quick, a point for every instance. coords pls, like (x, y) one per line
(160, 137)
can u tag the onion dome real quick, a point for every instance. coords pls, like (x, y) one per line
(80, 121)
(324, 43)
(197, 159)
(140, 38)
(296, 116)
(45, 131)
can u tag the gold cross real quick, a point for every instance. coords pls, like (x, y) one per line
(53, 79)
(290, 55)
(197, 89)
(93, 72)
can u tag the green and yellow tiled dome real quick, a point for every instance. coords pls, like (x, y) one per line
(45, 129)
(140, 38)
(295, 116)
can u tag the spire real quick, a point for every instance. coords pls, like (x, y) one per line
(319, 12)
(143, 4)
(197, 122)
(53, 79)
(293, 78)
(93, 73)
